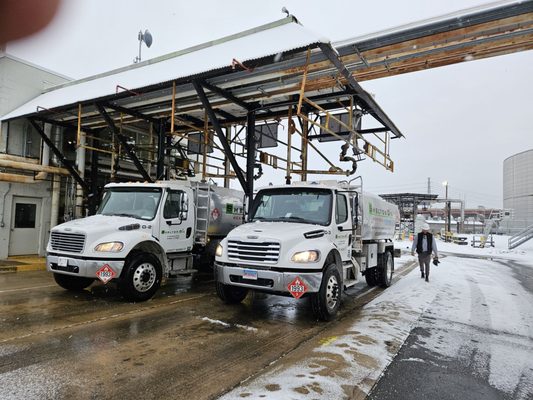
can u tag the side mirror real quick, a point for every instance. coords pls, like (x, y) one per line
(184, 206)
(245, 214)
(355, 210)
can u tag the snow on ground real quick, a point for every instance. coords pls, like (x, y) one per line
(500, 249)
(351, 359)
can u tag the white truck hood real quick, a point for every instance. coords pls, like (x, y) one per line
(98, 224)
(278, 231)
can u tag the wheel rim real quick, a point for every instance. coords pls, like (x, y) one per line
(144, 277)
(389, 269)
(332, 292)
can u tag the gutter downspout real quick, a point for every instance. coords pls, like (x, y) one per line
(2, 224)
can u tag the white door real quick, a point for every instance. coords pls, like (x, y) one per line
(25, 226)
(176, 230)
(342, 228)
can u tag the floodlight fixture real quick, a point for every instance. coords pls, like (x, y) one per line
(145, 37)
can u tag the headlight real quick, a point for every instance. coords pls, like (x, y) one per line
(218, 251)
(112, 247)
(306, 256)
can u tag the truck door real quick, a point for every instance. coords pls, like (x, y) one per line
(343, 227)
(176, 228)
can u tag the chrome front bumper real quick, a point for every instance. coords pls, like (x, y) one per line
(80, 267)
(271, 281)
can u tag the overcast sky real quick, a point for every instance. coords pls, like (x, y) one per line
(460, 121)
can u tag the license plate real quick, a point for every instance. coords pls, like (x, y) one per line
(250, 274)
(62, 262)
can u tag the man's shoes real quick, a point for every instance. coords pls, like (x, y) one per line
(422, 275)
(427, 279)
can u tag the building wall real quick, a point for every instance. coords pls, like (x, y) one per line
(21, 81)
(518, 189)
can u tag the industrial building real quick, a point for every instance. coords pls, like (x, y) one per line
(25, 201)
(518, 190)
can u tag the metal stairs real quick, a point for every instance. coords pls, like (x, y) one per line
(521, 237)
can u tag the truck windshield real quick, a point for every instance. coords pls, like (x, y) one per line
(310, 206)
(131, 202)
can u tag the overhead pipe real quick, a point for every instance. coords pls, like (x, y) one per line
(32, 167)
(10, 157)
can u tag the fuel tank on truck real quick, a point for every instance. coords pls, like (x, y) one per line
(224, 211)
(379, 217)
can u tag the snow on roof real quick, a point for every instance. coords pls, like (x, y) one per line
(412, 25)
(266, 40)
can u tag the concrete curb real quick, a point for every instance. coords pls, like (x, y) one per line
(24, 264)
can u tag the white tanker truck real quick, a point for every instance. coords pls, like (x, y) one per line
(308, 239)
(142, 233)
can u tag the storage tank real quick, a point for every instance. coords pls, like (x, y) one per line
(518, 190)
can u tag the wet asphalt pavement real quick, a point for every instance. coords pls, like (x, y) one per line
(183, 344)
(186, 344)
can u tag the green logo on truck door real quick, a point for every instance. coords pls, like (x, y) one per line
(229, 208)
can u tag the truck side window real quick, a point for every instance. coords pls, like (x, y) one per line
(341, 213)
(172, 205)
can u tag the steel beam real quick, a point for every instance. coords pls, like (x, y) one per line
(367, 101)
(227, 95)
(226, 115)
(131, 112)
(124, 141)
(220, 134)
(66, 163)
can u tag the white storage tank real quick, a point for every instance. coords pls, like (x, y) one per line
(518, 190)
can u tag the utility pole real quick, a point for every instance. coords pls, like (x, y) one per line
(429, 185)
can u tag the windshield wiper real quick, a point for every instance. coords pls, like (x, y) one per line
(298, 219)
(125, 215)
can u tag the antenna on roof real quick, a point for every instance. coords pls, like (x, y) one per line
(289, 15)
(145, 37)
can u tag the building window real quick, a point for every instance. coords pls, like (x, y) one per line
(25, 215)
(22, 139)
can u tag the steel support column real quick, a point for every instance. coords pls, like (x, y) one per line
(66, 163)
(161, 144)
(250, 157)
(124, 141)
(221, 137)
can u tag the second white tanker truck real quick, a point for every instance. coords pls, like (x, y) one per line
(309, 240)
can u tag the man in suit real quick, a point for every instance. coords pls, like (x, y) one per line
(425, 244)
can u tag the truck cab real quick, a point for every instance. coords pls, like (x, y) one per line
(308, 240)
(142, 233)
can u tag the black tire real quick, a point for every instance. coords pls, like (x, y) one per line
(371, 276)
(74, 283)
(141, 277)
(326, 302)
(386, 269)
(231, 294)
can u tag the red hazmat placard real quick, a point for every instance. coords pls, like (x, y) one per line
(297, 287)
(106, 273)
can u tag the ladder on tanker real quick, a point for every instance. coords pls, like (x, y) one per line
(203, 211)
(521, 237)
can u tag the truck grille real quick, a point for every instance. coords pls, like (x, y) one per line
(267, 252)
(71, 242)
